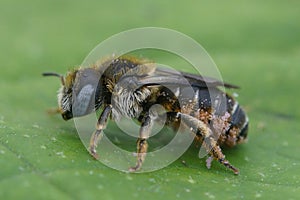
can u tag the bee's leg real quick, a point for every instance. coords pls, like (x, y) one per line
(142, 144)
(216, 152)
(209, 142)
(102, 121)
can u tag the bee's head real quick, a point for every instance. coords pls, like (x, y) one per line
(65, 93)
(77, 91)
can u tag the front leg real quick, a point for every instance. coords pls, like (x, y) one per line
(142, 145)
(97, 135)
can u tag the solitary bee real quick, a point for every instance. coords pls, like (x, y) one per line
(128, 87)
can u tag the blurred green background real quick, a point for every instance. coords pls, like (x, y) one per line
(255, 44)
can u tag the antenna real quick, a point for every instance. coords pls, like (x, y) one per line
(55, 74)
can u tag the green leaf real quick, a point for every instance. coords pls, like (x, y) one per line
(255, 45)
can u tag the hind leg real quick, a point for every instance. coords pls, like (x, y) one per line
(210, 143)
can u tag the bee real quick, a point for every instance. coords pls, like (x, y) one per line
(128, 87)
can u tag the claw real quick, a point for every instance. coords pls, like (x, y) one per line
(137, 167)
(209, 161)
(133, 169)
(94, 153)
(226, 163)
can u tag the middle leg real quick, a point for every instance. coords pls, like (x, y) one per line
(142, 145)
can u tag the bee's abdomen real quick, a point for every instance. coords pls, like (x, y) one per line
(238, 122)
(238, 117)
(217, 104)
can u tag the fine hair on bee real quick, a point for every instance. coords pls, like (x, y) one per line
(128, 87)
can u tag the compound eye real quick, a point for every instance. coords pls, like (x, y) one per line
(82, 102)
